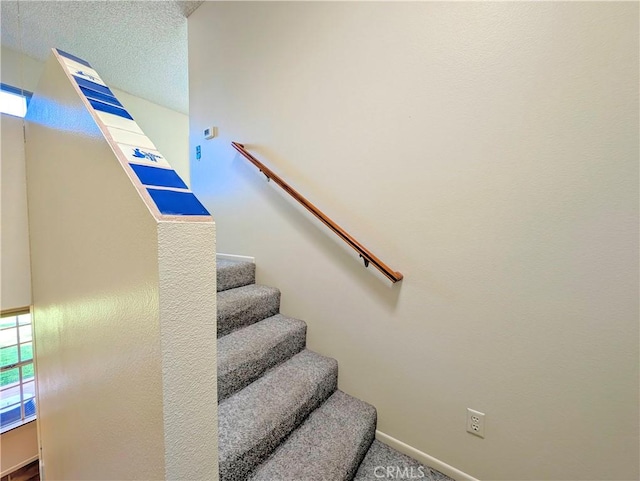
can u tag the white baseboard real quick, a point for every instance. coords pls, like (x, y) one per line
(424, 458)
(233, 257)
(18, 466)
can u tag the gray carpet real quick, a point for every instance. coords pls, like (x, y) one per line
(231, 274)
(384, 462)
(253, 422)
(246, 305)
(332, 442)
(244, 355)
(280, 415)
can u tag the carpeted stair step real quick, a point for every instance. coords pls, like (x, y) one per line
(246, 305)
(328, 446)
(384, 462)
(232, 274)
(255, 420)
(246, 353)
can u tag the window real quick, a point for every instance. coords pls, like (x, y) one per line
(17, 379)
(14, 101)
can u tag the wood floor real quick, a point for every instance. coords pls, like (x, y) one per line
(30, 472)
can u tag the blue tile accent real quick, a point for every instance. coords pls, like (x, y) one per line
(93, 95)
(74, 58)
(110, 109)
(170, 202)
(88, 84)
(158, 177)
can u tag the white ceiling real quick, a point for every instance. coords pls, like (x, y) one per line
(137, 46)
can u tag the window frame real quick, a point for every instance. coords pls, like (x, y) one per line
(20, 93)
(20, 365)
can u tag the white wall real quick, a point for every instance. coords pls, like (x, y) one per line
(15, 280)
(94, 318)
(19, 70)
(489, 152)
(168, 129)
(121, 301)
(18, 447)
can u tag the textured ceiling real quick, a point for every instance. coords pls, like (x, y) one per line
(136, 46)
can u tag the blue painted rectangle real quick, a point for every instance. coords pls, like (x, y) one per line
(92, 94)
(170, 202)
(158, 177)
(88, 84)
(74, 58)
(110, 109)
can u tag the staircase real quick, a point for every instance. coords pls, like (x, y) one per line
(280, 414)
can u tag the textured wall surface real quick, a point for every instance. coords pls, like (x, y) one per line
(488, 151)
(95, 298)
(106, 297)
(15, 280)
(167, 128)
(188, 334)
(141, 47)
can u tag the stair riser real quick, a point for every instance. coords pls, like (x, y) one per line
(332, 441)
(243, 375)
(241, 466)
(234, 274)
(363, 447)
(244, 312)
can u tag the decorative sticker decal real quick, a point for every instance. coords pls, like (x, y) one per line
(87, 74)
(83, 72)
(141, 155)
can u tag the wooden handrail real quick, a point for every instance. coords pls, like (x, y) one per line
(364, 253)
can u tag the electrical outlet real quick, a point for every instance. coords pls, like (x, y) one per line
(475, 422)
